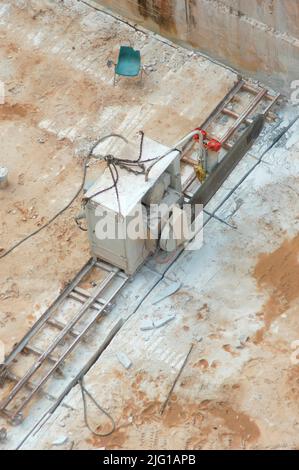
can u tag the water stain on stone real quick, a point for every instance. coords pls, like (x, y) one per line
(293, 383)
(160, 12)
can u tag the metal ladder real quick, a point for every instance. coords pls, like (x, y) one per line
(260, 97)
(91, 307)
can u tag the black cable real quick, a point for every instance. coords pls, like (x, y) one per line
(35, 232)
(10, 250)
(109, 159)
(112, 161)
(84, 392)
(80, 226)
(115, 181)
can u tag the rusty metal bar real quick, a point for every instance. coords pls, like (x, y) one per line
(234, 115)
(244, 115)
(256, 91)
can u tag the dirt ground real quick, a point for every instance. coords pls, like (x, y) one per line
(59, 100)
(240, 388)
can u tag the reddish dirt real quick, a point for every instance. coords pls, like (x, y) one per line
(278, 274)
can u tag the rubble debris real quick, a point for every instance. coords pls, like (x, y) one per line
(124, 360)
(168, 291)
(60, 441)
(147, 325)
(3, 177)
(3, 434)
(163, 321)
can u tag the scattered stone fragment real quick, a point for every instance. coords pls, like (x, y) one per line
(3, 177)
(60, 441)
(243, 340)
(147, 325)
(124, 360)
(3, 434)
(168, 290)
(163, 321)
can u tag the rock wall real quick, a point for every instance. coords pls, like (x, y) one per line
(258, 37)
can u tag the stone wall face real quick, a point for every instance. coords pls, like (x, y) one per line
(258, 37)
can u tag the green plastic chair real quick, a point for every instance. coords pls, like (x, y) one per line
(128, 64)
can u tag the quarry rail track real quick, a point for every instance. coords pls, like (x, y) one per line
(260, 96)
(93, 304)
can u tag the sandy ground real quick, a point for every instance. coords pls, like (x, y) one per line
(60, 99)
(238, 303)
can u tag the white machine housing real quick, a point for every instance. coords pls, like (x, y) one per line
(163, 186)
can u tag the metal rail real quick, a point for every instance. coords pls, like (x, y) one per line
(207, 190)
(92, 306)
(46, 316)
(259, 94)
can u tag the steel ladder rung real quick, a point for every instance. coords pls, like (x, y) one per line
(58, 339)
(256, 91)
(106, 267)
(80, 298)
(37, 352)
(45, 317)
(14, 378)
(62, 358)
(60, 326)
(233, 114)
(84, 294)
(87, 294)
(31, 386)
